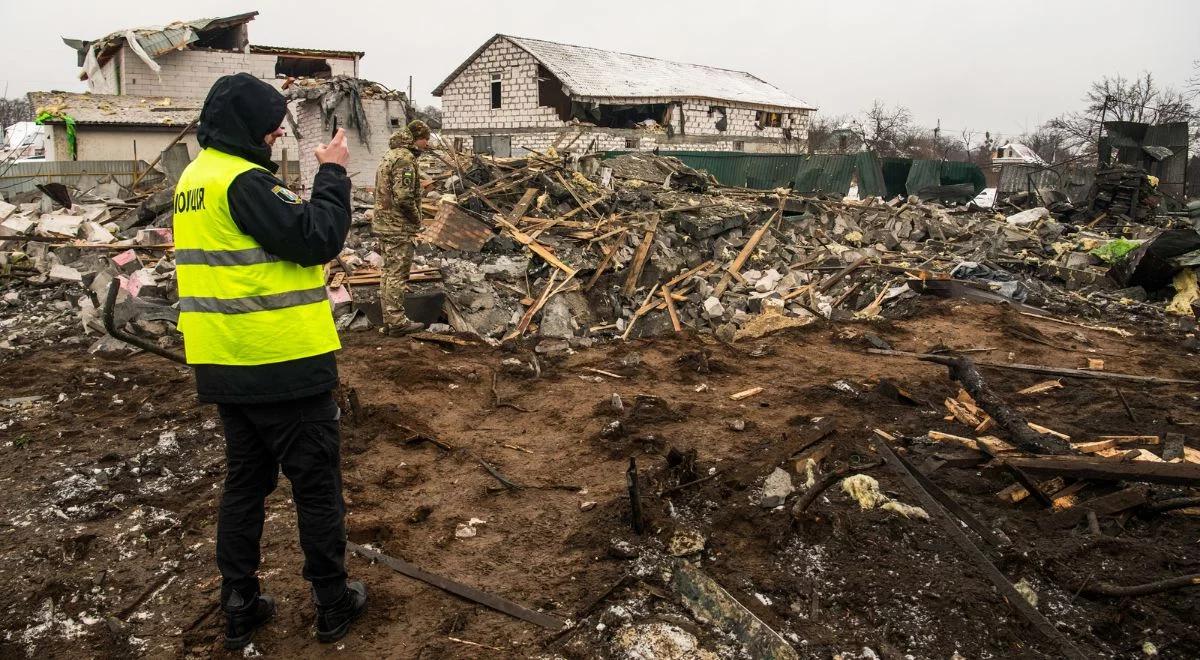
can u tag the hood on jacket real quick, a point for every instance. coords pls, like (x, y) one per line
(238, 113)
(401, 139)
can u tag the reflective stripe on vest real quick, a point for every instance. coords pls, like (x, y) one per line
(238, 303)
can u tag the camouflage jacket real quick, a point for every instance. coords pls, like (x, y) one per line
(398, 182)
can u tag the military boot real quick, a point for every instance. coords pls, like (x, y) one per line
(243, 616)
(333, 620)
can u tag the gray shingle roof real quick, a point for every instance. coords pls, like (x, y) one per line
(592, 73)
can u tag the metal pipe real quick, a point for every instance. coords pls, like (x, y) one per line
(110, 326)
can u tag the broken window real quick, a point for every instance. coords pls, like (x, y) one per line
(495, 91)
(495, 145)
(302, 67)
(739, 145)
(551, 95)
(647, 115)
(632, 143)
(764, 119)
(722, 122)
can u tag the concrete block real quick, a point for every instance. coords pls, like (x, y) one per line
(63, 273)
(6, 209)
(95, 233)
(17, 225)
(60, 224)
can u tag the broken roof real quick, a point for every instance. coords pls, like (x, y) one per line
(110, 109)
(322, 52)
(156, 40)
(591, 73)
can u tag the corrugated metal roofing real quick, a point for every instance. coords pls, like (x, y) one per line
(592, 73)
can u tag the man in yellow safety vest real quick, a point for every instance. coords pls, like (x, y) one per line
(259, 333)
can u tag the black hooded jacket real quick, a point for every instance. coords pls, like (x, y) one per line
(239, 112)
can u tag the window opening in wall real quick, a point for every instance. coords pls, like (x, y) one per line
(551, 94)
(495, 91)
(494, 145)
(739, 145)
(632, 143)
(395, 121)
(722, 121)
(620, 116)
(764, 119)
(306, 67)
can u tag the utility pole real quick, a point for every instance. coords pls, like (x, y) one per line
(410, 98)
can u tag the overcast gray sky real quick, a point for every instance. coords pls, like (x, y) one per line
(999, 65)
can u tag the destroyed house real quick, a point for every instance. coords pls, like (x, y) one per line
(515, 94)
(185, 58)
(146, 84)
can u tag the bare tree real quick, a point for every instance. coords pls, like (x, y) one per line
(430, 114)
(831, 134)
(13, 111)
(1118, 98)
(886, 131)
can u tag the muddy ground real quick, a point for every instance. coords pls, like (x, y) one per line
(109, 483)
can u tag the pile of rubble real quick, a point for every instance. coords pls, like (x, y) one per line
(574, 251)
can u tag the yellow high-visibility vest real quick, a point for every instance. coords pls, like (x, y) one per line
(239, 304)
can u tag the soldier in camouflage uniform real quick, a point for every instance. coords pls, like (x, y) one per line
(398, 221)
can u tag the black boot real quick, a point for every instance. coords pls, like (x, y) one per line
(243, 616)
(333, 621)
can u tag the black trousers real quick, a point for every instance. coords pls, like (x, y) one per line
(301, 437)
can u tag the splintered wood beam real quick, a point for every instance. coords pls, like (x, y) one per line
(535, 247)
(607, 259)
(670, 302)
(1105, 469)
(735, 268)
(639, 258)
(522, 206)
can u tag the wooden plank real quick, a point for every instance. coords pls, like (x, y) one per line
(1053, 371)
(736, 266)
(1101, 469)
(1110, 504)
(607, 259)
(1042, 387)
(938, 436)
(522, 206)
(1015, 493)
(1094, 446)
(1042, 429)
(537, 248)
(745, 394)
(639, 257)
(688, 273)
(667, 298)
(527, 318)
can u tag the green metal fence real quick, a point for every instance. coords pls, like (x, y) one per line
(829, 173)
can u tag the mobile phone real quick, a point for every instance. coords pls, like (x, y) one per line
(334, 133)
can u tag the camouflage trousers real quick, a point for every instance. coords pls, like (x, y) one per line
(396, 240)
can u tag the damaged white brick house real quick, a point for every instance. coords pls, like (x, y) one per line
(515, 94)
(146, 84)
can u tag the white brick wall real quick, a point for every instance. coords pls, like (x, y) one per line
(466, 108)
(467, 100)
(190, 73)
(364, 158)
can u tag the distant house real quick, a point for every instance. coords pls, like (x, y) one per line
(146, 84)
(515, 94)
(1015, 153)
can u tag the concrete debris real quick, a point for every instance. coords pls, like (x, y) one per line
(571, 261)
(776, 489)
